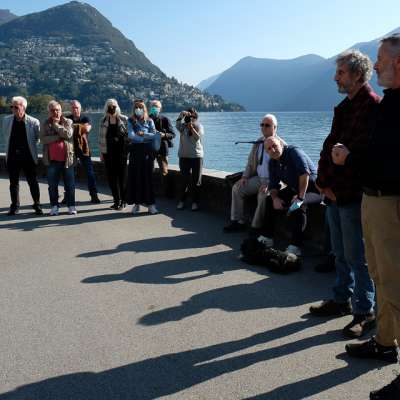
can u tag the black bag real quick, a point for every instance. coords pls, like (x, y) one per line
(280, 262)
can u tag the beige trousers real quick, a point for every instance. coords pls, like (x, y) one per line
(240, 192)
(381, 227)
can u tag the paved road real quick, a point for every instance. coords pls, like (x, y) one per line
(104, 305)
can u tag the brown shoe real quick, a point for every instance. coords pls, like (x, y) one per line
(360, 325)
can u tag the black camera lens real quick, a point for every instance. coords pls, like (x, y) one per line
(187, 119)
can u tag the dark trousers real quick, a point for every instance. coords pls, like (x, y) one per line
(297, 220)
(191, 170)
(116, 174)
(54, 172)
(86, 162)
(14, 166)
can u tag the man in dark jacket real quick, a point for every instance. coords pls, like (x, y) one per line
(353, 290)
(379, 166)
(164, 126)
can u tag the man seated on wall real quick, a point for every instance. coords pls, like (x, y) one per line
(254, 181)
(294, 169)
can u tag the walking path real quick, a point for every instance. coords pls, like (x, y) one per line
(104, 305)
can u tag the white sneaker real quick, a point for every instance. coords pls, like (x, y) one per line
(54, 210)
(152, 209)
(72, 210)
(180, 206)
(266, 241)
(292, 249)
(135, 209)
(195, 207)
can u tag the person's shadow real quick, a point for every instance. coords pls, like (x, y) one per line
(165, 375)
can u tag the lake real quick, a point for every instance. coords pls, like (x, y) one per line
(304, 129)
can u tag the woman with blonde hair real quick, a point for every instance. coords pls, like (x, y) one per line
(143, 135)
(113, 149)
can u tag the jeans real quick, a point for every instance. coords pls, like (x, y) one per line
(191, 171)
(352, 277)
(54, 171)
(87, 164)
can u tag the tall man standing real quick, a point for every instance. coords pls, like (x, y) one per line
(380, 170)
(342, 188)
(21, 133)
(82, 127)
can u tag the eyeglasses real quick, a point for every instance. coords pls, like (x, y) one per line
(265, 125)
(14, 107)
(55, 110)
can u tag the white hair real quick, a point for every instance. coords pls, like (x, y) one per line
(393, 43)
(52, 103)
(20, 99)
(112, 102)
(272, 117)
(156, 103)
(357, 63)
(77, 103)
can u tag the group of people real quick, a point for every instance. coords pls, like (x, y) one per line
(358, 179)
(143, 137)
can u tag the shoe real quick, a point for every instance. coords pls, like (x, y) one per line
(326, 266)
(54, 210)
(361, 324)
(234, 226)
(152, 209)
(94, 198)
(13, 210)
(331, 308)
(72, 210)
(115, 205)
(372, 349)
(121, 206)
(266, 241)
(135, 209)
(292, 249)
(38, 209)
(180, 206)
(195, 207)
(388, 392)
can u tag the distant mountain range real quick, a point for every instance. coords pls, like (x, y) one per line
(6, 15)
(300, 84)
(73, 51)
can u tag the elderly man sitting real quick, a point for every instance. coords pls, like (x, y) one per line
(292, 167)
(254, 180)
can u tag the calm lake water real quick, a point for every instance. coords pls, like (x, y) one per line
(304, 129)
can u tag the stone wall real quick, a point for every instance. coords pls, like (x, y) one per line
(215, 195)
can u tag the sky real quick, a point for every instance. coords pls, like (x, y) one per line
(193, 40)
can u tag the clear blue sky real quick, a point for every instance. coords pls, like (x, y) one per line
(193, 40)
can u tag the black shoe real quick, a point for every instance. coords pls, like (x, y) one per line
(13, 210)
(327, 266)
(94, 198)
(330, 308)
(234, 226)
(360, 325)
(388, 392)
(38, 209)
(121, 206)
(372, 349)
(115, 206)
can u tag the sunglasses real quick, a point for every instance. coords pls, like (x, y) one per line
(265, 125)
(13, 107)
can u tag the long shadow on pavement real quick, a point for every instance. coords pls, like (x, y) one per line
(172, 373)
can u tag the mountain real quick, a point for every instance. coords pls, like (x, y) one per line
(73, 51)
(6, 15)
(300, 84)
(207, 82)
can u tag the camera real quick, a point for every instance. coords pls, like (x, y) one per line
(188, 119)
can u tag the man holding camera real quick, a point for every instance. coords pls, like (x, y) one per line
(254, 181)
(190, 155)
